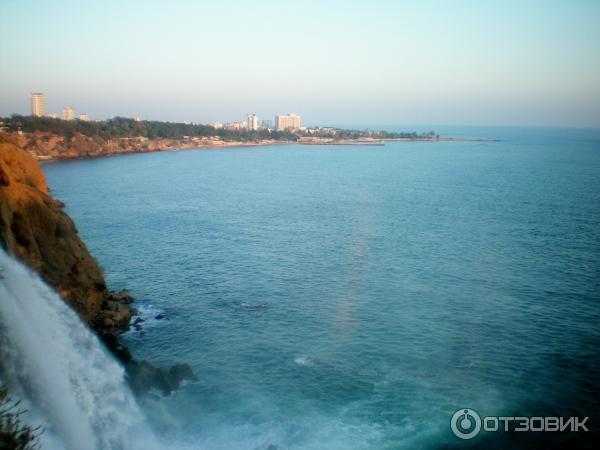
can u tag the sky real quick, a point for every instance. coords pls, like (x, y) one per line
(479, 62)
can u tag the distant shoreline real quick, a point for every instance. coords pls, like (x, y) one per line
(50, 147)
(50, 139)
(239, 144)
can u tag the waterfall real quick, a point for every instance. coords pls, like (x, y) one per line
(69, 382)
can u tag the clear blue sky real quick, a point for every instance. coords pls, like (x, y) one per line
(477, 62)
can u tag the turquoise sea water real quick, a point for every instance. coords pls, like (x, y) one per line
(355, 297)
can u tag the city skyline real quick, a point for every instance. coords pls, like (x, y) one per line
(290, 121)
(364, 63)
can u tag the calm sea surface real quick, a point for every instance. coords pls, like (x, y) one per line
(355, 297)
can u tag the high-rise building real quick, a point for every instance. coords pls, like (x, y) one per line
(69, 113)
(84, 117)
(252, 122)
(37, 104)
(287, 122)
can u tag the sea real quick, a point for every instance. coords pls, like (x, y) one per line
(356, 297)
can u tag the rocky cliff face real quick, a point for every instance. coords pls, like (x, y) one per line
(34, 228)
(48, 146)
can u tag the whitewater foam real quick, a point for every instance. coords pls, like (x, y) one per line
(304, 361)
(147, 314)
(66, 377)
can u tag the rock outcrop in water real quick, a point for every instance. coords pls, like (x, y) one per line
(35, 229)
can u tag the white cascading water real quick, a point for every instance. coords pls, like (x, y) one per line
(69, 382)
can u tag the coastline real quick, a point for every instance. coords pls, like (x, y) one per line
(182, 147)
(46, 147)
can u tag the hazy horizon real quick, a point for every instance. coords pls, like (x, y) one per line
(529, 63)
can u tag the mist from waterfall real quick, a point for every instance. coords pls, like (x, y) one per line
(68, 381)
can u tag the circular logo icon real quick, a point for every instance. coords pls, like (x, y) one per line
(465, 423)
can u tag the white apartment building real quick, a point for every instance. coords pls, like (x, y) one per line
(37, 104)
(252, 122)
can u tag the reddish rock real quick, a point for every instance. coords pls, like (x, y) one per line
(34, 228)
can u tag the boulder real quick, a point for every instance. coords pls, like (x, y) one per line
(182, 372)
(122, 296)
(113, 316)
(144, 377)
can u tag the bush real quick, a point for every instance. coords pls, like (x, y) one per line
(13, 434)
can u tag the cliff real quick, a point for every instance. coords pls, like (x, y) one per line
(35, 229)
(49, 146)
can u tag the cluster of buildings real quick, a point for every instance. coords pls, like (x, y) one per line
(38, 109)
(290, 122)
(286, 122)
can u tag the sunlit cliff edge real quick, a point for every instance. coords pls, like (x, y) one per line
(35, 229)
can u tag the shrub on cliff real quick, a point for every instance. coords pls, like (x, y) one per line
(13, 434)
